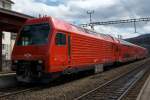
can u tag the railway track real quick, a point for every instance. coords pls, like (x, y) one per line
(15, 90)
(5, 92)
(22, 91)
(117, 88)
(25, 88)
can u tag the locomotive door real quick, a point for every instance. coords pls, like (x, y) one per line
(69, 49)
(62, 49)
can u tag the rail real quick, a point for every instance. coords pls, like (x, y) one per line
(116, 88)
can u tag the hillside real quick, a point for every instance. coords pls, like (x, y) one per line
(142, 40)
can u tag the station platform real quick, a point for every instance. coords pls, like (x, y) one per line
(7, 79)
(145, 91)
(2, 74)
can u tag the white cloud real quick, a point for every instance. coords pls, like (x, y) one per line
(67, 10)
(91, 4)
(114, 31)
(35, 8)
(75, 11)
(147, 27)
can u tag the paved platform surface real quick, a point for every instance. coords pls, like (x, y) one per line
(145, 91)
(7, 80)
(7, 74)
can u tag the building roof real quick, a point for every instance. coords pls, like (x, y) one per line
(14, 13)
(12, 21)
(10, 1)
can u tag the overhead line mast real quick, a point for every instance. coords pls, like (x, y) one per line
(90, 12)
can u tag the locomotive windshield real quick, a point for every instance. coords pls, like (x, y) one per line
(35, 34)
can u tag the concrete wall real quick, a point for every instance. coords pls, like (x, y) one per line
(6, 45)
(6, 41)
(1, 4)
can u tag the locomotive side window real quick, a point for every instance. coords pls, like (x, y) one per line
(60, 39)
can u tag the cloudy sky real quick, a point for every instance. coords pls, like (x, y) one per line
(74, 11)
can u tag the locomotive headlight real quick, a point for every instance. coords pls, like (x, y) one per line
(15, 61)
(40, 61)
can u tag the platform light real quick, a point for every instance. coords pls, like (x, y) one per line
(15, 61)
(40, 61)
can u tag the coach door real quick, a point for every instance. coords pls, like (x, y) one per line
(116, 52)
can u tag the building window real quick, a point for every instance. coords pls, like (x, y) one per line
(3, 46)
(7, 6)
(13, 36)
(3, 35)
(60, 39)
(3, 4)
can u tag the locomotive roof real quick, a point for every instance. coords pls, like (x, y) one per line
(65, 26)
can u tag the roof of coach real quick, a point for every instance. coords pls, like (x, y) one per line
(65, 26)
(126, 43)
(129, 44)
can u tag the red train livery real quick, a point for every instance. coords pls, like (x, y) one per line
(47, 47)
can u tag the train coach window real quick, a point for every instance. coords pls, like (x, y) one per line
(60, 39)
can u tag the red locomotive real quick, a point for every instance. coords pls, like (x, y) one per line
(48, 47)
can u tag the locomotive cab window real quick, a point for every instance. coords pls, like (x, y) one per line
(60, 39)
(35, 34)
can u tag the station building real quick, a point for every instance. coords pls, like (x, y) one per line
(6, 4)
(7, 41)
(10, 23)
